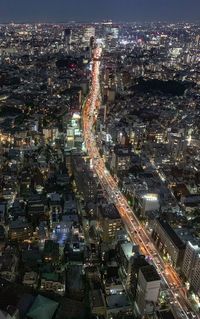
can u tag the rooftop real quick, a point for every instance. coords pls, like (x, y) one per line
(117, 301)
(97, 298)
(165, 315)
(50, 276)
(109, 211)
(129, 249)
(150, 274)
(42, 307)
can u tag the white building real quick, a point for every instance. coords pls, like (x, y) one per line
(148, 288)
(88, 33)
(150, 202)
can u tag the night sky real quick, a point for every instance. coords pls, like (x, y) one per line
(97, 10)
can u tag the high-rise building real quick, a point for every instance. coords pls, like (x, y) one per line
(168, 242)
(148, 288)
(86, 183)
(127, 251)
(111, 35)
(89, 33)
(191, 266)
(110, 221)
(137, 261)
(67, 38)
(121, 159)
(177, 145)
(92, 42)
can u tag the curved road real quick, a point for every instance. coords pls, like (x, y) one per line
(180, 305)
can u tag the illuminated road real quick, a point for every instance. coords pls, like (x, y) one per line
(177, 293)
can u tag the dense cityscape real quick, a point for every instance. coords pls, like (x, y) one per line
(99, 170)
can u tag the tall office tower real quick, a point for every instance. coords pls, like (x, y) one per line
(92, 45)
(89, 32)
(177, 144)
(191, 265)
(148, 288)
(111, 35)
(127, 252)
(113, 31)
(67, 38)
(92, 42)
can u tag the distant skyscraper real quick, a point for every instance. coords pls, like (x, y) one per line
(92, 42)
(88, 34)
(67, 38)
(111, 34)
(113, 31)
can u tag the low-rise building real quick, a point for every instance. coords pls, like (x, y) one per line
(20, 230)
(97, 303)
(118, 304)
(8, 266)
(53, 282)
(31, 279)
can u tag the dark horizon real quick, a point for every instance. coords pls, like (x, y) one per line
(64, 11)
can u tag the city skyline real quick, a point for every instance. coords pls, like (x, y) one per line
(90, 11)
(99, 160)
